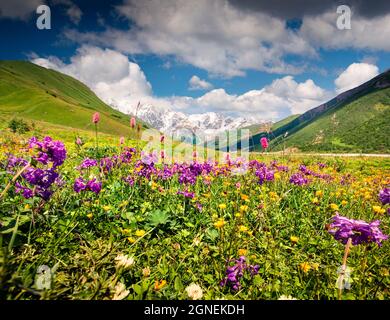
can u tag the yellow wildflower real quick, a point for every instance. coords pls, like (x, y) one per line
(242, 228)
(89, 215)
(244, 208)
(367, 195)
(273, 195)
(334, 206)
(242, 252)
(140, 233)
(344, 202)
(315, 200)
(305, 267)
(277, 175)
(378, 209)
(106, 208)
(319, 193)
(222, 206)
(220, 223)
(27, 207)
(131, 239)
(294, 239)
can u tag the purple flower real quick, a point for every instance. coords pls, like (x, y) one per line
(264, 174)
(88, 163)
(359, 231)
(298, 179)
(14, 162)
(384, 196)
(236, 272)
(27, 193)
(129, 180)
(321, 165)
(79, 185)
(94, 186)
(48, 151)
(186, 194)
(91, 185)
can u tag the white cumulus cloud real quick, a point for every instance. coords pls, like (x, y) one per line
(195, 83)
(355, 75)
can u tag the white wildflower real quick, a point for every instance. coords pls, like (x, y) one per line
(120, 292)
(124, 261)
(194, 291)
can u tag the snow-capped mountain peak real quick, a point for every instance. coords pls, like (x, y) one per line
(174, 122)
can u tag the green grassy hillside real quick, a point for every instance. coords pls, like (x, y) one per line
(359, 126)
(31, 92)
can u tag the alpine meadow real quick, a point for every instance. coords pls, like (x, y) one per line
(208, 150)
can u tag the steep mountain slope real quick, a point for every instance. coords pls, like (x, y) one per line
(357, 120)
(259, 128)
(32, 92)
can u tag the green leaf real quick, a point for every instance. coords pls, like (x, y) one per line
(137, 289)
(158, 217)
(178, 284)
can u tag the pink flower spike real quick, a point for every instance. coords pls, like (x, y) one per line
(264, 142)
(96, 117)
(132, 122)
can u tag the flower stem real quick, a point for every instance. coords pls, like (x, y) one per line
(344, 265)
(97, 141)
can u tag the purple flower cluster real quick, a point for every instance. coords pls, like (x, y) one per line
(298, 179)
(129, 180)
(91, 185)
(51, 154)
(48, 151)
(321, 165)
(384, 196)
(359, 231)
(87, 163)
(309, 172)
(236, 272)
(264, 174)
(186, 194)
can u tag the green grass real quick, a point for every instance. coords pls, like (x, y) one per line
(31, 92)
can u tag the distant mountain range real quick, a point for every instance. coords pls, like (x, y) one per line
(176, 123)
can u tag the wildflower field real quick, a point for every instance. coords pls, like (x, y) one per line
(80, 222)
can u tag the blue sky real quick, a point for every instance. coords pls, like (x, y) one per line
(250, 62)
